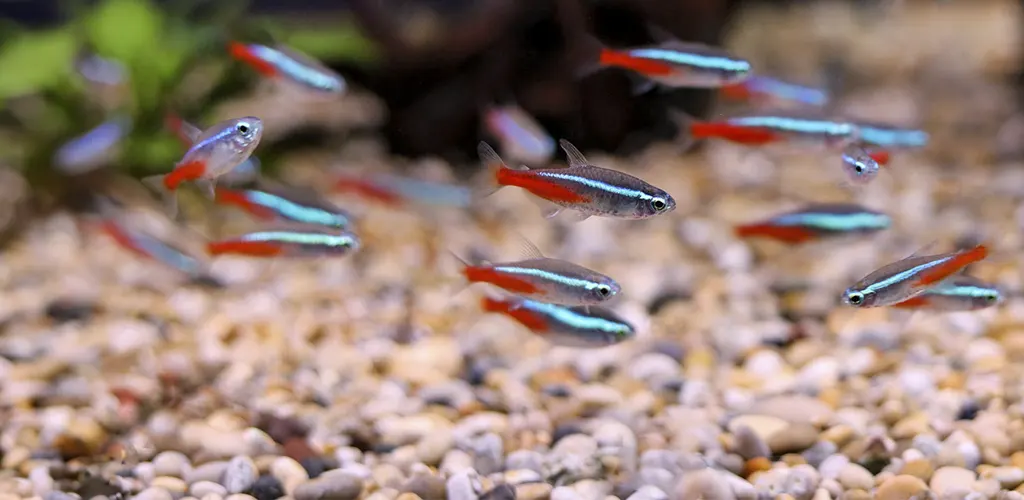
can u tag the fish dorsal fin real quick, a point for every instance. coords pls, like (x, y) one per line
(576, 159)
(659, 34)
(490, 158)
(924, 249)
(528, 250)
(191, 131)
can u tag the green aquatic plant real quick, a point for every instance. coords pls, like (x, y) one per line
(174, 60)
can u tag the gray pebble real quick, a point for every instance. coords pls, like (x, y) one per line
(240, 474)
(462, 485)
(60, 495)
(565, 493)
(525, 459)
(202, 488)
(426, 485)
(590, 489)
(819, 452)
(337, 486)
(171, 463)
(658, 477)
(832, 466)
(210, 471)
(618, 440)
(500, 492)
(648, 492)
(42, 483)
(749, 444)
(488, 453)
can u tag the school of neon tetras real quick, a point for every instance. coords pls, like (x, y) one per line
(561, 301)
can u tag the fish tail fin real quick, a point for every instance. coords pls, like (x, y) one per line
(165, 186)
(685, 124)
(937, 274)
(587, 56)
(494, 167)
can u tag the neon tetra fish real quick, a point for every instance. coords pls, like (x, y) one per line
(773, 90)
(805, 129)
(817, 221)
(673, 63)
(284, 243)
(92, 149)
(188, 134)
(891, 137)
(214, 153)
(542, 278)
(583, 188)
(279, 204)
(859, 165)
(564, 326)
(909, 277)
(521, 137)
(289, 66)
(959, 293)
(398, 191)
(152, 248)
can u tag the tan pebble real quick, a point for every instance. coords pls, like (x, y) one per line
(699, 362)
(703, 484)
(920, 468)
(756, 465)
(792, 459)
(821, 494)
(171, 484)
(854, 476)
(785, 496)
(289, 472)
(910, 426)
(1009, 477)
(1017, 459)
(533, 491)
(764, 426)
(839, 435)
(856, 494)
(987, 487)
(901, 487)
(950, 480)
(831, 396)
(408, 496)
(795, 438)
(953, 381)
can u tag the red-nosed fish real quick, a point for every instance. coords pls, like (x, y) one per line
(673, 63)
(817, 221)
(959, 293)
(561, 325)
(772, 90)
(187, 133)
(543, 278)
(215, 152)
(150, 247)
(581, 187)
(289, 66)
(287, 243)
(909, 277)
(859, 165)
(891, 137)
(802, 128)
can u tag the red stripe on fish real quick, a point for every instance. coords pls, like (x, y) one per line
(913, 302)
(880, 156)
(239, 199)
(241, 52)
(250, 248)
(788, 234)
(538, 185)
(744, 135)
(951, 266)
(484, 274)
(184, 172)
(121, 237)
(615, 58)
(737, 92)
(366, 189)
(535, 322)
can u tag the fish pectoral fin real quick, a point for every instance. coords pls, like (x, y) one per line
(547, 208)
(527, 248)
(573, 216)
(208, 188)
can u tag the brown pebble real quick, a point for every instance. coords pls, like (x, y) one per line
(839, 435)
(792, 459)
(298, 449)
(756, 464)
(920, 468)
(953, 381)
(901, 487)
(1017, 459)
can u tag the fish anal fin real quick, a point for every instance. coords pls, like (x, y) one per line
(576, 158)
(573, 216)
(527, 248)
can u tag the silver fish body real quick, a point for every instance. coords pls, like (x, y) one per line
(591, 327)
(301, 70)
(904, 279)
(806, 128)
(304, 244)
(891, 137)
(960, 293)
(561, 282)
(225, 145)
(694, 65)
(858, 165)
(522, 138)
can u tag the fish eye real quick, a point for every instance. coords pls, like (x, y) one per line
(243, 128)
(604, 290)
(859, 168)
(855, 298)
(991, 297)
(659, 204)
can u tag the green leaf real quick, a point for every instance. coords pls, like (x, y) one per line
(128, 30)
(35, 60)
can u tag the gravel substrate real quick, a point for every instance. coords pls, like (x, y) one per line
(376, 376)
